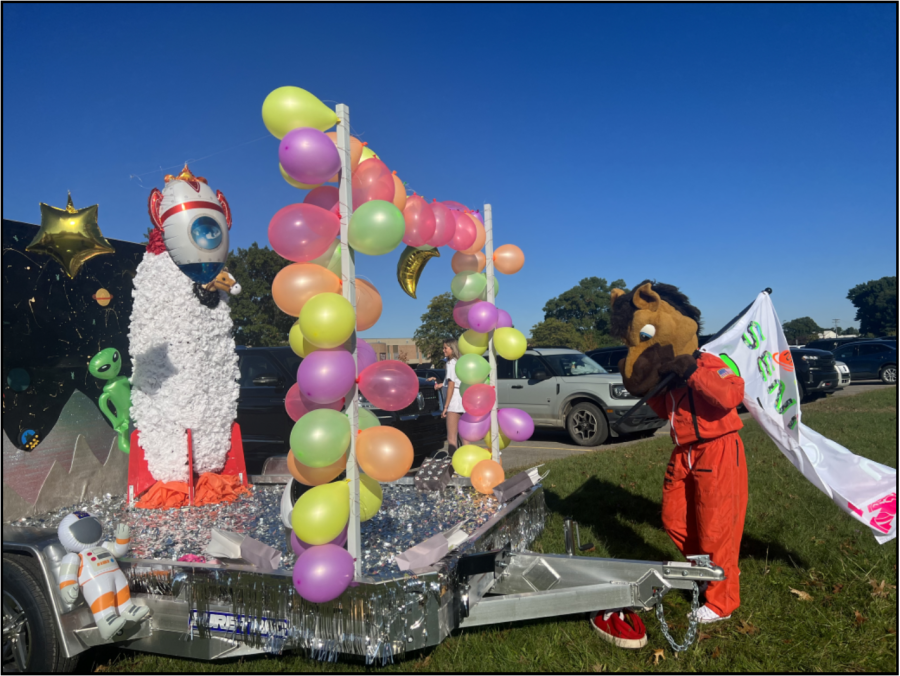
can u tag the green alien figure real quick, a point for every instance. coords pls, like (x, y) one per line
(106, 365)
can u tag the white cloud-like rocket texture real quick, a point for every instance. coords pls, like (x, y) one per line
(185, 372)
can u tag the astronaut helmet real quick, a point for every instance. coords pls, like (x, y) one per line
(80, 531)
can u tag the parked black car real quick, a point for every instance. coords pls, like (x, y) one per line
(267, 373)
(831, 344)
(608, 357)
(816, 372)
(869, 359)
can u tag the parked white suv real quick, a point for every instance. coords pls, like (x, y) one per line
(559, 387)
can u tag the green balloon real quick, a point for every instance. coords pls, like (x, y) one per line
(321, 513)
(106, 365)
(472, 368)
(331, 259)
(320, 437)
(367, 419)
(376, 228)
(287, 108)
(483, 295)
(472, 342)
(465, 386)
(510, 343)
(370, 497)
(468, 285)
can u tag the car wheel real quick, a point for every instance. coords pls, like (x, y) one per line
(587, 425)
(801, 392)
(888, 374)
(29, 633)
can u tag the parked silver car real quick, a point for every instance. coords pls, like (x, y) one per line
(565, 388)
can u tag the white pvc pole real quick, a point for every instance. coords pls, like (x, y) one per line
(348, 279)
(492, 354)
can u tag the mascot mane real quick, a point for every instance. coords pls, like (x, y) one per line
(623, 307)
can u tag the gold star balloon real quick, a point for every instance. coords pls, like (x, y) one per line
(70, 236)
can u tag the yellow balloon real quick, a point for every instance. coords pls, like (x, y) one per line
(288, 108)
(321, 513)
(299, 344)
(296, 184)
(367, 154)
(465, 458)
(370, 497)
(327, 320)
(510, 343)
(504, 440)
(472, 342)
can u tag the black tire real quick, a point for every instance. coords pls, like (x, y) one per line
(888, 374)
(587, 425)
(33, 645)
(801, 392)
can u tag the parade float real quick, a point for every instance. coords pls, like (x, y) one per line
(348, 554)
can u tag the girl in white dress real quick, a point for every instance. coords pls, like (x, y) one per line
(453, 407)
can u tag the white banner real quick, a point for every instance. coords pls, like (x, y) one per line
(756, 349)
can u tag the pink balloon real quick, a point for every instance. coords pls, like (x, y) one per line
(515, 423)
(478, 400)
(325, 196)
(420, 222)
(323, 573)
(299, 546)
(372, 180)
(302, 232)
(461, 312)
(325, 375)
(298, 406)
(455, 206)
(504, 321)
(308, 155)
(444, 224)
(389, 385)
(483, 316)
(472, 427)
(466, 232)
(365, 355)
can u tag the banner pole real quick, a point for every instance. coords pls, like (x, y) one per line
(492, 354)
(348, 279)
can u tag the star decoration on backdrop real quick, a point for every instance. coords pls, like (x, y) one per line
(70, 236)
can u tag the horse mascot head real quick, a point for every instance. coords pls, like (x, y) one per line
(659, 325)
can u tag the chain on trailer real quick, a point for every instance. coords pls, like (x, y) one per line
(691, 634)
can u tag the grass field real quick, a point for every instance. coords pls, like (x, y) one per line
(811, 583)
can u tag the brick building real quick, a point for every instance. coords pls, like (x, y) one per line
(401, 349)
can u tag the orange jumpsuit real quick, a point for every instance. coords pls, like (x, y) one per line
(705, 488)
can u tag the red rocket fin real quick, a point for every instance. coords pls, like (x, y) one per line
(153, 208)
(225, 207)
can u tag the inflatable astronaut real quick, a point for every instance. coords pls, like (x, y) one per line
(92, 567)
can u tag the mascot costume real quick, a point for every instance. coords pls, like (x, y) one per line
(705, 486)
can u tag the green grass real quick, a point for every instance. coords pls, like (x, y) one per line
(795, 538)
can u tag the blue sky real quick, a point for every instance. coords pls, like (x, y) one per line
(721, 148)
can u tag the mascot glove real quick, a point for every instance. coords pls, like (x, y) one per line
(682, 366)
(123, 532)
(69, 593)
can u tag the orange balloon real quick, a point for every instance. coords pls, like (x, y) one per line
(368, 305)
(486, 475)
(384, 453)
(463, 262)
(298, 282)
(399, 193)
(315, 476)
(509, 259)
(356, 148)
(480, 237)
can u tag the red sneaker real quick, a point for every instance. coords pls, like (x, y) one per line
(622, 628)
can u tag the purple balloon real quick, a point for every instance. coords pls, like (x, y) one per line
(322, 573)
(474, 427)
(504, 321)
(308, 156)
(365, 355)
(477, 214)
(299, 546)
(483, 316)
(515, 423)
(461, 312)
(326, 375)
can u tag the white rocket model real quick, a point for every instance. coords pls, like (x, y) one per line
(185, 368)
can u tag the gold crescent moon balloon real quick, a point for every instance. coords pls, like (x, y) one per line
(409, 267)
